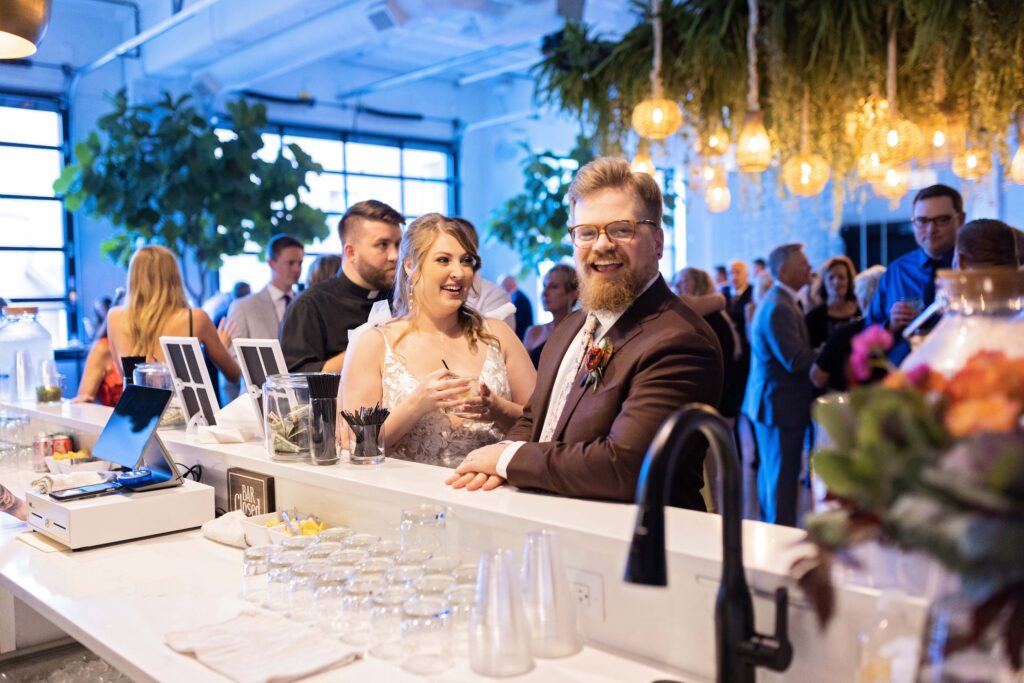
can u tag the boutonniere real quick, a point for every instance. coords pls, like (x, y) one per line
(594, 361)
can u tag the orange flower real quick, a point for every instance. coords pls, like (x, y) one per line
(994, 414)
(985, 374)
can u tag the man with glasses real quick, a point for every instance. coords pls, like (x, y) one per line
(612, 372)
(908, 286)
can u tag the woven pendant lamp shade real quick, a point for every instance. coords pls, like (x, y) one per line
(894, 184)
(806, 174)
(715, 143)
(871, 169)
(657, 118)
(717, 196)
(972, 163)
(642, 163)
(941, 135)
(753, 149)
(895, 141)
(1017, 166)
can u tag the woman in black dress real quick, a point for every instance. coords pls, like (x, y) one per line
(840, 305)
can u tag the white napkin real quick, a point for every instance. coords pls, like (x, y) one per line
(380, 313)
(257, 647)
(59, 482)
(502, 312)
(220, 434)
(226, 529)
(240, 414)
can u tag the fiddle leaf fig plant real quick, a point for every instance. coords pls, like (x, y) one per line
(161, 174)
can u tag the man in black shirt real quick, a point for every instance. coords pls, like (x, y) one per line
(314, 331)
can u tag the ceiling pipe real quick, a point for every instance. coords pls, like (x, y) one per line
(524, 65)
(501, 120)
(434, 69)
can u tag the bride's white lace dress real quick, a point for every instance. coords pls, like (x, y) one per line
(438, 438)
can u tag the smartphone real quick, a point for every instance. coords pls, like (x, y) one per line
(90, 491)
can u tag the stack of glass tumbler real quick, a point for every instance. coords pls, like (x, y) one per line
(412, 603)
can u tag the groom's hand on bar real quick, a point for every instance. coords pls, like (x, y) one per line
(478, 470)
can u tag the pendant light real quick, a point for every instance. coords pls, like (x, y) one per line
(972, 163)
(715, 143)
(1017, 165)
(657, 117)
(806, 174)
(894, 184)
(871, 169)
(896, 140)
(642, 162)
(717, 196)
(23, 24)
(753, 149)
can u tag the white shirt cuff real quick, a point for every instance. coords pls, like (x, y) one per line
(506, 457)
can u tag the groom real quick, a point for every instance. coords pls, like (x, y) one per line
(639, 350)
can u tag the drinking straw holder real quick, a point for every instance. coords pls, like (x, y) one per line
(367, 425)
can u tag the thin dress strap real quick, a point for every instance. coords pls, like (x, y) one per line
(190, 321)
(387, 344)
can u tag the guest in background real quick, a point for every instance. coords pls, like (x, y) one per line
(101, 380)
(217, 305)
(986, 243)
(94, 323)
(314, 331)
(696, 282)
(762, 286)
(324, 267)
(779, 393)
(259, 315)
(524, 310)
(721, 278)
(418, 364)
(157, 307)
(809, 297)
(829, 370)
(908, 285)
(839, 305)
(760, 268)
(561, 292)
(487, 298)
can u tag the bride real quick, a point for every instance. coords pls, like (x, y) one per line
(424, 364)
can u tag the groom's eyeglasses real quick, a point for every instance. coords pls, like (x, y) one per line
(619, 232)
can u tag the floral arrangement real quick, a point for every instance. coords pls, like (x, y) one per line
(595, 359)
(934, 465)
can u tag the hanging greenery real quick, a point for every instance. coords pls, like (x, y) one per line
(963, 60)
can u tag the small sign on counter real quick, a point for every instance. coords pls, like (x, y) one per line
(250, 492)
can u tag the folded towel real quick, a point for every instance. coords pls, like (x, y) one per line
(257, 647)
(226, 529)
(59, 482)
(223, 434)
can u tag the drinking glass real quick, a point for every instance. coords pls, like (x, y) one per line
(374, 566)
(328, 595)
(301, 584)
(348, 557)
(404, 575)
(443, 564)
(367, 444)
(323, 444)
(499, 642)
(423, 528)
(461, 599)
(412, 558)
(335, 534)
(389, 549)
(278, 577)
(386, 622)
(360, 541)
(472, 391)
(547, 598)
(356, 603)
(255, 562)
(433, 585)
(426, 636)
(322, 550)
(465, 574)
(298, 542)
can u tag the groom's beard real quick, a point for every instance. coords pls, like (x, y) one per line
(603, 293)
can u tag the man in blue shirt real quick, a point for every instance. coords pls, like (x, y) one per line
(908, 285)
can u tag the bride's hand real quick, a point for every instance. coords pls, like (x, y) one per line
(441, 389)
(481, 407)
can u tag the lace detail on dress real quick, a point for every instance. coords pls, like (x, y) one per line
(438, 438)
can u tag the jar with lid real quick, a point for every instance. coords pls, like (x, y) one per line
(287, 423)
(158, 376)
(983, 310)
(24, 347)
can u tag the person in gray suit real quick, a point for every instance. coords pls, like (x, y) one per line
(259, 315)
(779, 393)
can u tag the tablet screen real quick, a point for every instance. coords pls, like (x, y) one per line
(128, 431)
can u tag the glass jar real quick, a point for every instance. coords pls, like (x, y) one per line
(24, 346)
(158, 376)
(286, 417)
(983, 309)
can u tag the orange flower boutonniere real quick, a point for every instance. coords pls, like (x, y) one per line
(594, 361)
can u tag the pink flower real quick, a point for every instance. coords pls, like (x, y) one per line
(872, 342)
(919, 375)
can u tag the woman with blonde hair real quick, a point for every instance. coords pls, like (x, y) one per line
(157, 308)
(453, 380)
(561, 292)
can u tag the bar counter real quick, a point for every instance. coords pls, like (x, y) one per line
(119, 600)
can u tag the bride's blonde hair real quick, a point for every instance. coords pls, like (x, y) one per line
(155, 292)
(416, 242)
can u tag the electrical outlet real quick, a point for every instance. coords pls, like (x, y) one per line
(588, 590)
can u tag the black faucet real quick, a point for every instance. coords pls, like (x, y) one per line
(739, 649)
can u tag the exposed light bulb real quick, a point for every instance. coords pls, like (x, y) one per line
(657, 116)
(972, 160)
(938, 139)
(892, 138)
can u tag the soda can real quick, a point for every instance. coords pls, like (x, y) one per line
(61, 443)
(42, 448)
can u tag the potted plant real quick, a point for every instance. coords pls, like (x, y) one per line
(160, 174)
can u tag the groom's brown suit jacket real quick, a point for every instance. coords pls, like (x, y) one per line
(664, 356)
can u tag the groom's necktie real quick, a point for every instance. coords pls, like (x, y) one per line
(575, 360)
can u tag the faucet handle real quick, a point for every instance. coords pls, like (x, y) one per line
(773, 652)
